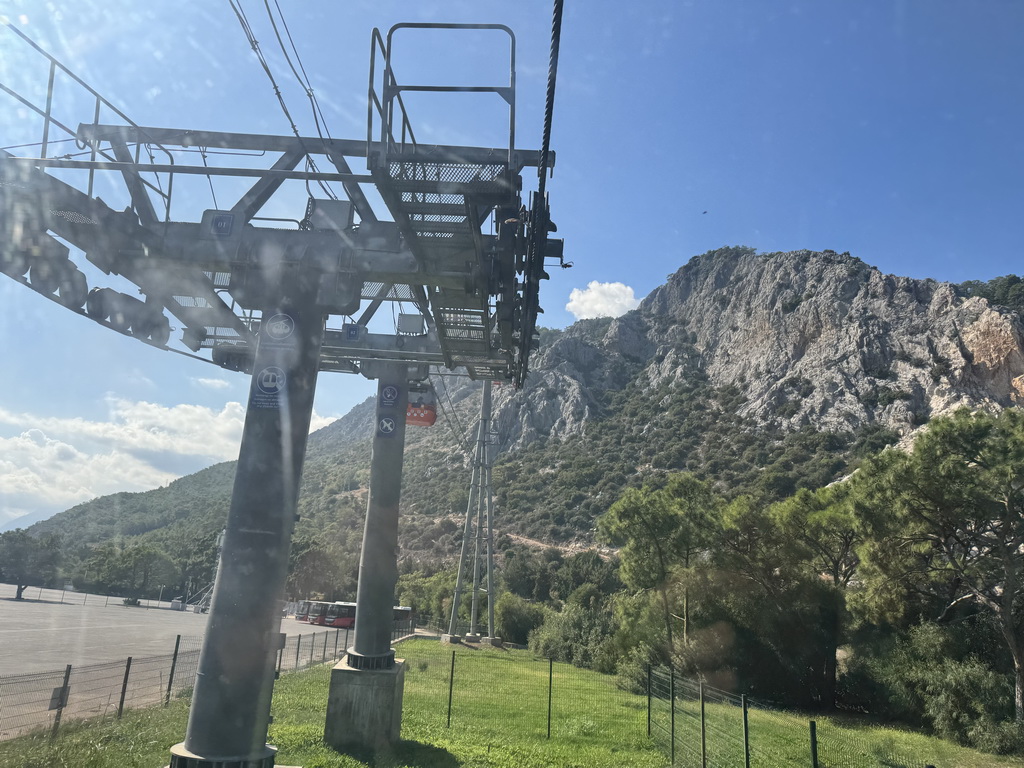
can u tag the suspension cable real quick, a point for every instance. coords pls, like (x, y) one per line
(549, 103)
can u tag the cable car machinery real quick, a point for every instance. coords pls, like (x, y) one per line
(476, 290)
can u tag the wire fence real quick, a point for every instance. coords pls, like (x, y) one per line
(73, 597)
(697, 725)
(536, 697)
(693, 724)
(45, 700)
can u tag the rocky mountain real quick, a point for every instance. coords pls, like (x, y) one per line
(819, 339)
(763, 372)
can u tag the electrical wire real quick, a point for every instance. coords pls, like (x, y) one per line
(318, 115)
(202, 151)
(254, 44)
(303, 79)
(462, 440)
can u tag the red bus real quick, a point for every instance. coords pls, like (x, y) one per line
(339, 615)
(311, 610)
(344, 615)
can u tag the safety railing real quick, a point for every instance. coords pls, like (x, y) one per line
(51, 123)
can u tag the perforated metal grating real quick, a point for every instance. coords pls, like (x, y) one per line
(458, 173)
(74, 217)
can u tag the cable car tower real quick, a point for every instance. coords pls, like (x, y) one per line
(454, 239)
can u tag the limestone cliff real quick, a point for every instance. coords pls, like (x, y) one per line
(817, 339)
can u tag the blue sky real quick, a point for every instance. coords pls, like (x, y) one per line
(893, 130)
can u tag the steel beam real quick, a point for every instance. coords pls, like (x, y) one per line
(521, 158)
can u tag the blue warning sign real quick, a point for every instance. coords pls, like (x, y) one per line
(387, 426)
(389, 396)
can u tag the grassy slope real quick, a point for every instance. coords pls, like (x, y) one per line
(499, 720)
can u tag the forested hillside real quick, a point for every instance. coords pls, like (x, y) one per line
(761, 373)
(695, 440)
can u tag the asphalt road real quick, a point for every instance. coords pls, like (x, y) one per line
(42, 634)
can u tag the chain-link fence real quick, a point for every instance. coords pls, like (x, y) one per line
(535, 696)
(697, 725)
(73, 597)
(46, 699)
(461, 687)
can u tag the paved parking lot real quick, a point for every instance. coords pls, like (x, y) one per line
(41, 634)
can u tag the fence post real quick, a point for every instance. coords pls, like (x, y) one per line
(703, 729)
(312, 647)
(324, 656)
(62, 702)
(298, 645)
(451, 684)
(814, 744)
(62, 596)
(551, 668)
(746, 733)
(337, 632)
(124, 687)
(648, 701)
(170, 677)
(346, 639)
(672, 710)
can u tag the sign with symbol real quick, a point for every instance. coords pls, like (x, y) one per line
(386, 426)
(223, 224)
(351, 331)
(279, 327)
(389, 396)
(270, 382)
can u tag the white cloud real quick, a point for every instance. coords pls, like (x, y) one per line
(136, 427)
(318, 421)
(39, 474)
(215, 384)
(601, 300)
(54, 463)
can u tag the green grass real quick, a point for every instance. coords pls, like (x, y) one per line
(499, 719)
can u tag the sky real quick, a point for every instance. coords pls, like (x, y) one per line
(892, 130)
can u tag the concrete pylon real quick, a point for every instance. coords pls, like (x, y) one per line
(230, 711)
(364, 706)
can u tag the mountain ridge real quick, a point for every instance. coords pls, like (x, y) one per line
(762, 372)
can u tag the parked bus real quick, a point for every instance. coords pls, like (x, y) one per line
(344, 615)
(339, 615)
(310, 610)
(404, 619)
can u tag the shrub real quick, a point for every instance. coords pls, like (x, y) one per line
(515, 618)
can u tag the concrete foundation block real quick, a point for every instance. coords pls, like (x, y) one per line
(471, 638)
(183, 758)
(364, 707)
(494, 642)
(451, 639)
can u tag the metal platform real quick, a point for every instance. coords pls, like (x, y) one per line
(459, 246)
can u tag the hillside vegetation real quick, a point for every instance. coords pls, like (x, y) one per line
(695, 440)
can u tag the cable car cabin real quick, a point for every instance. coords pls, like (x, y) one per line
(422, 408)
(340, 615)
